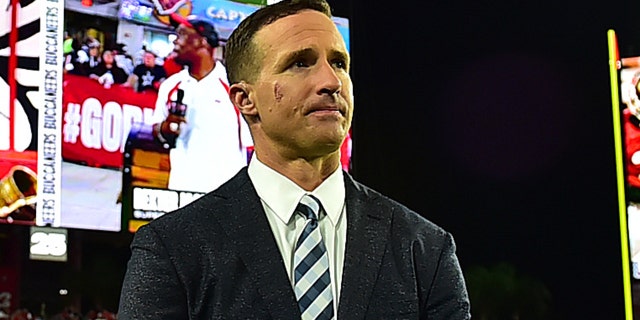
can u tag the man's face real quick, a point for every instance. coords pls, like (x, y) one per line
(303, 93)
(187, 42)
(149, 59)
(93, 51)
(107, 57)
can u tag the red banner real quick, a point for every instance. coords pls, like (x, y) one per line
(96, 120)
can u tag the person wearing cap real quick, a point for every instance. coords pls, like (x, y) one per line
(293, 236)
(92, 57)
(209, 142)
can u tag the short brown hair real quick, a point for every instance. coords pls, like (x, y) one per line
(241, 56)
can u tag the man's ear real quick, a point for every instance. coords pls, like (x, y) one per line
(202, 42)
(240, 94)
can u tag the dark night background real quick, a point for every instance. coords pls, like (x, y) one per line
(493, 119)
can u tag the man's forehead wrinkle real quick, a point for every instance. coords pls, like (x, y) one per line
(294, 31)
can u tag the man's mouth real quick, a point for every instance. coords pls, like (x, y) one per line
(329, 109)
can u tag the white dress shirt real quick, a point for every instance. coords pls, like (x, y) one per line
(280, 197)
(212, 145)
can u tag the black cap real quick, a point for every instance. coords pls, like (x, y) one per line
(202, 26)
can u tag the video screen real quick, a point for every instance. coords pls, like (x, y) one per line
(80, 92)
(624, 68)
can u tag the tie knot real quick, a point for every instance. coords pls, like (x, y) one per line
(309, 207)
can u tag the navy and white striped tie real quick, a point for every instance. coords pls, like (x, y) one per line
(311, 264)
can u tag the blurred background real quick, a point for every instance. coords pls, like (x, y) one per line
(491, 119)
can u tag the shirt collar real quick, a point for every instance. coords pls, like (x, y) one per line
(282, 195)
(219, 71)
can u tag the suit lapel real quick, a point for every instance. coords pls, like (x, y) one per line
(367, 234)
(246, 225)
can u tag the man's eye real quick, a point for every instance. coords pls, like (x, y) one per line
(340, 64)
(300, 64)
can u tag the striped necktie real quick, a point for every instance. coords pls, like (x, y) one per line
(312, 280)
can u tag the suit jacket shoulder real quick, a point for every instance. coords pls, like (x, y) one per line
(398, 264)
(403, 217)
(215, 258)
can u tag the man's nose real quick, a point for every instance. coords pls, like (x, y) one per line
(329, 81)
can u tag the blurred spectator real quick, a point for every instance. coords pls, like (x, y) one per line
(68, 313)
(107, 71)
(83, 58)
(123, 60)
(21, 314)
(100, 315)
(85, 54)
(93, 56)
(140, 54)
(147, 76)
(75, 57)
(67, 44)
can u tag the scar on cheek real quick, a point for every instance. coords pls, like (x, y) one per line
(276, 92)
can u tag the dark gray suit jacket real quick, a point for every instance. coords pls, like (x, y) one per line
(217, 259)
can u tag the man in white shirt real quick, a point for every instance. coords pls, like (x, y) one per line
(210, 141)
(241, 251)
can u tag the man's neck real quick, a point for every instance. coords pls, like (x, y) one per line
(201, 68)
(306, 173)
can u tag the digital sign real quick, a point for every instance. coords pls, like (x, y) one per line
(75, 153)
(48, 244)
(624, 72)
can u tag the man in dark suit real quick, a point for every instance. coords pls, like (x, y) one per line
(293, 236)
